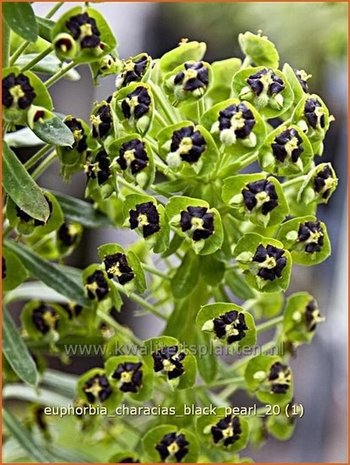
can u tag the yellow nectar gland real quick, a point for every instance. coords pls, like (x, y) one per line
(50, 319)
(95, 389)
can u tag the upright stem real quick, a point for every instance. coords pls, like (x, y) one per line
(44, 165)
(19, 52)
(269, 324)
(53, 10)
(164, 104)
(38, 58)
(37, 156)
(57, 76)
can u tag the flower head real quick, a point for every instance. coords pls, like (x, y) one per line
(133, 155)
(80, 138)
(133, 71)
(68, 234)
(231, 326)
(311, 235)
(235, 122)
(271, 262)
(325, 181)
(279, 378)
(100, 168)
(312, 315)
(83, 28)
(45, 318)
(73, 310)
(287, 145)
(302, 77)
(137, 103)
(117, 266)
(97, 285)
(173, 445)
(314, 113)
(260, 194)
(187, 144)
(146, 217)
(23, 216)
(265, 81)
(130, 376)
(97, 389)
(198, 221)
(228, 430)
(17, 91)
(194, 78)
(169, 361)
(101, 120)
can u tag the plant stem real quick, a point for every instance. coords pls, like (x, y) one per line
(5, 44)
(38, 58)
(37, 156)
(293, 181)
(121, 329)
(53, 10)
(153, 270)
(269, 324)
(160, 119)
(57, 76)
(139, 300)
(163, 103)
(222, 382)
(19, 52)
(44, 165)
(135, 189)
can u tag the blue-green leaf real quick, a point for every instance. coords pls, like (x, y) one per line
(21, 19)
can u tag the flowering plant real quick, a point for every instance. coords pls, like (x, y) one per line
(214, 167)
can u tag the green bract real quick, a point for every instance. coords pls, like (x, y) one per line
(259, 49)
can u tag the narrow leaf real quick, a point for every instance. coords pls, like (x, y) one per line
(81, 212)
(48, 65)
(16, 352)
(44, 397)
(53, 131)
(22, 189)
(21, 19)
(54, 276)
(24, 438)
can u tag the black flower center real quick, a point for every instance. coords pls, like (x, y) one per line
(68, 234)
(311, 234)
(302, 77)
(97, 389)
(280, 377)
(84, 29)
(100, 168)
(133, 71)
(260, 195)
(101, 121)
(287, 145)
(324, 182)
(314, 113)
(97, 285)
(72, 310)
(80, 144)
(265, 81)
(173, 445)
(130, 376)
(17, 91)
(228, 430)
(312, 316)
(271, 262)
(45, 318)
(137, 103)
(169, 361)
(145, 216)
(237, 118)
(188, 144)
(231, 326)
(117, 266)
(27, 218)
(195, 76)
(133, 155)
(198, 221)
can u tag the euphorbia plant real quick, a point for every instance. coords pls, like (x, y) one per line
(213, 246)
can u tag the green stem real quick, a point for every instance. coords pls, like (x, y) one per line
(57, 76)
(163, 103)
(222, 382)
(120, 328)
(269, 324)
(37, 156)
(54, 9)
(142, 302)
(200, 107)
(5, 44)
(160, 119)
(133, 188)
(38, 58)
(153, 270)
(39, 170)
(293, 181)
(19, 52)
